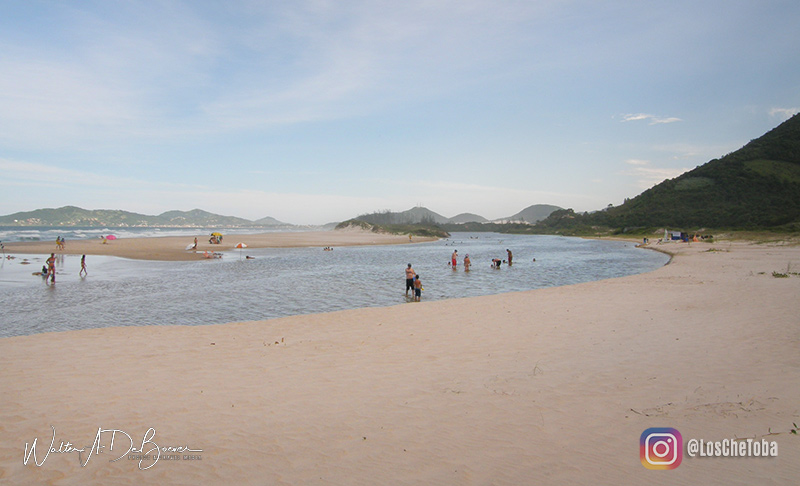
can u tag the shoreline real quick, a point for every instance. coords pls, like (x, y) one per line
(553, 386)
(173, 248)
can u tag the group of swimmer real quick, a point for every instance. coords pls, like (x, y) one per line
(496, 262)
(49, 269)
(414, 284)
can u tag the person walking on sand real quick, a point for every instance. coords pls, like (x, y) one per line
(410, 273)
(83, 267)
(467, 263)
(51, 268)
(509, 256)
(454, 259)
(417, 289)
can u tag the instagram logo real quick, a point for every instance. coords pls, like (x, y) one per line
(661, 448)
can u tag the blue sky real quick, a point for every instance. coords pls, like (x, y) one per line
(316, 111)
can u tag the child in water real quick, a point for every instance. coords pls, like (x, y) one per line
(417, 289)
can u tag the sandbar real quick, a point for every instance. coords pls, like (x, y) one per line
(173, 248)
(550, 386)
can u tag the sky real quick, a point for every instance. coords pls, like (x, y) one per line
(314, 111)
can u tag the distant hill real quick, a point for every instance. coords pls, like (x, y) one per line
(757, 186)
(534, 213)
(467, 218)
(268, 221)
(415, 215)
(420, 215)
(198, 217)
(74, 216)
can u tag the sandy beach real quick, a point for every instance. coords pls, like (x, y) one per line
(173, 248)
(551, 386)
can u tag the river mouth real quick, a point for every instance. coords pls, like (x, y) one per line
(290, 281)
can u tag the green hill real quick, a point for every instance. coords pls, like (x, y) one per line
(415, 215)
(74, 216)
(534, 213)
(755, 187)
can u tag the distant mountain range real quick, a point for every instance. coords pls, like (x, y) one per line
(418, 215)
(74, 216)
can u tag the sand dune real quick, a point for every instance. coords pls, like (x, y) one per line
(552, 386)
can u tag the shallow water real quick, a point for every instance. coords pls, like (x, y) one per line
(283, 282)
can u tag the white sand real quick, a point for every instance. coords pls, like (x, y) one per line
(174, 247)
(551, 386)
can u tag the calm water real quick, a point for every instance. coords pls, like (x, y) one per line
(283, 282)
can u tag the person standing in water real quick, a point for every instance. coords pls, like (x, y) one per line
(417, 289)
(83, 266)
(467, 263)
(509, 256)
(51, 268)
(410, 273)
(454, 259)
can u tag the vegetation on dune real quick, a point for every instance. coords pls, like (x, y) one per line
(420, 229)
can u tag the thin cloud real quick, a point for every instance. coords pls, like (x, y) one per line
(784, 113)
(653, 119)
(635, 117)
(647, 177)
(49, 176)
